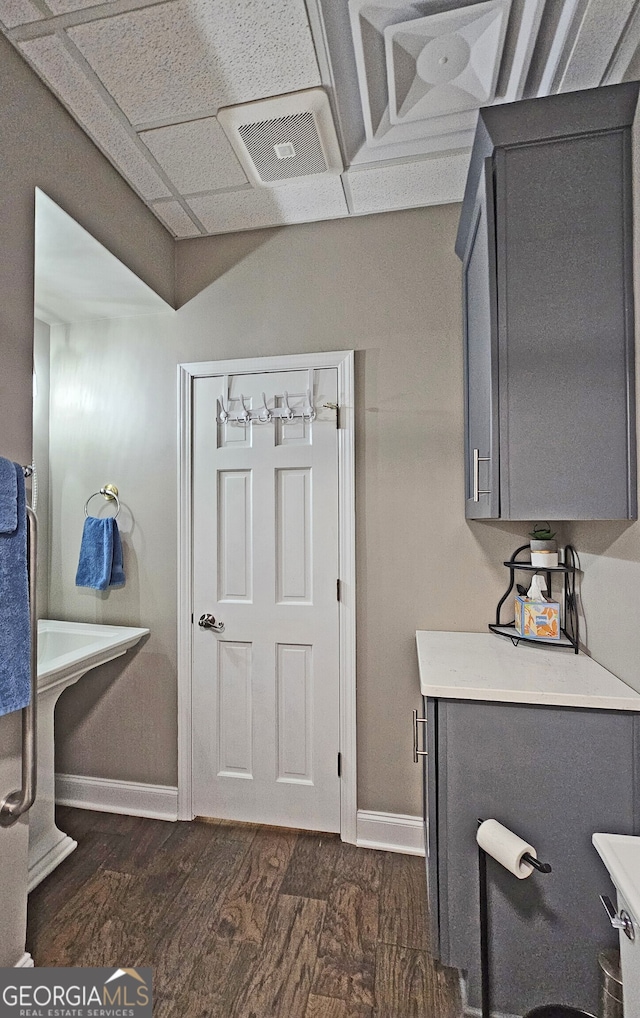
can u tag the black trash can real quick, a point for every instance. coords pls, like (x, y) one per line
(557, 1011)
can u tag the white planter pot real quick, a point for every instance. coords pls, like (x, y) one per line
(544, 559)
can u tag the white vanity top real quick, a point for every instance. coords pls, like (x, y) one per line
(621, 855)
(483, 666)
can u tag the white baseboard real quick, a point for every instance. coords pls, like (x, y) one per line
(45, 857)
(26, 962)
(130, 797)
(387, 832)
(390, 832)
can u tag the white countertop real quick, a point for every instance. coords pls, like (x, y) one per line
(482, 666)
(621, 855)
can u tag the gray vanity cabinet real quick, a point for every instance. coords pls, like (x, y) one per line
(554, 775)
(545, 237)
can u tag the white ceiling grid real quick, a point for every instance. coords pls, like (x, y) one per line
(67, 80)
(442, 178)
(68, 6)
(176, 219)
(146, 79)
(187, 58)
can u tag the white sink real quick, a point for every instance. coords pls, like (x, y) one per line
(66, 651)
(621, 855)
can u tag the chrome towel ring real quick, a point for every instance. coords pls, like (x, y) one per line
(110, 493)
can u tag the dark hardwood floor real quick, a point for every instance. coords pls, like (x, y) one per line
(239, 921)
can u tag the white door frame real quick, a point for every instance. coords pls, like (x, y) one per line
(187, 373)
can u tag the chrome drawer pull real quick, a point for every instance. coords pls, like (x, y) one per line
(477, 460)
(417, 721)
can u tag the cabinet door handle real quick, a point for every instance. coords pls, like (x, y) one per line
(417, 721)
(477, 460)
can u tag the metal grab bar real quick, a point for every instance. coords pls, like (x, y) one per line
(18, 802)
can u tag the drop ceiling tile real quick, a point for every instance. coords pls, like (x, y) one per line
(174, 216)
(436, 180)
(196, 156)
(61, 73)
(187, 58)
(598, 36)
(317, 198)
(18, 12)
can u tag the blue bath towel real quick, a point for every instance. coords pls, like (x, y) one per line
(15, 632)
(100, 562)
(8, 497)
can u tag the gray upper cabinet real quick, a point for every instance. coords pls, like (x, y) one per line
(545, 238)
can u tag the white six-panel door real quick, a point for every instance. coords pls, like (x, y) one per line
(265, 691)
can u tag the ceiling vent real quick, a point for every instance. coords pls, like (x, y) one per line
(285, 138)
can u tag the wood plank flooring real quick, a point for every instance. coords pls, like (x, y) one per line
(238, 921)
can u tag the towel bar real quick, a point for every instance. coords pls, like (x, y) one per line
(18, 802)
(110, 493)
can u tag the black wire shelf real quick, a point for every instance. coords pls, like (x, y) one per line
(511, 632)
(569, 632)
(537, 569)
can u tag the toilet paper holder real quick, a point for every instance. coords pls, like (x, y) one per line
(485, 977)
(541, 867)
(531, 860)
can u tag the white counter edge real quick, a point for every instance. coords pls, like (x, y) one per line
(626, 884)
(533, 697)
(473, 653)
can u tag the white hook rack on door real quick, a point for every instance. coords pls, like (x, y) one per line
(264, 414)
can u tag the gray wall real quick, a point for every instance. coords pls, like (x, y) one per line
(387, 286)
(610, 559)
(42, 146)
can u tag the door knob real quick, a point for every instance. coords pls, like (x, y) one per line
(208, 622)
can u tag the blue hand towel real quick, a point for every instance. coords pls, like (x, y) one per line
(100, 562)
(117, 568)
(15, 632)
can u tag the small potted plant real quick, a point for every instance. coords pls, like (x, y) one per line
(544, 550)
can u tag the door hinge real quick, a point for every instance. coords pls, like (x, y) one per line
(191, 618)
(339, 765)
(337, 590)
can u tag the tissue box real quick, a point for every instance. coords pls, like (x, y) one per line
(539, 620)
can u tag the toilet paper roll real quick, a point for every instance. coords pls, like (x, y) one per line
(505, 847)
